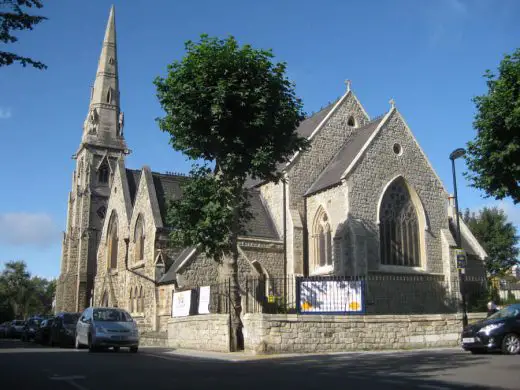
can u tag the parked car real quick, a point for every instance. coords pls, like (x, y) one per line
(44, 332)
(103, 327)
(16, 329)
(498, 332)
(63, 330)
(4, 329)
(30, 328)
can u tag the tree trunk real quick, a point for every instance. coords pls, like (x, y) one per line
(230, 268)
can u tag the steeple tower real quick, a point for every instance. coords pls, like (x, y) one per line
(102, 146)
(104, 123)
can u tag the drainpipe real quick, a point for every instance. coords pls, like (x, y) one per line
(305, 240)
(284, 239)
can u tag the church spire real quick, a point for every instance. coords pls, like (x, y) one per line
(104, 123)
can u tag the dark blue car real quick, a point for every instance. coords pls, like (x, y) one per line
(498, 332)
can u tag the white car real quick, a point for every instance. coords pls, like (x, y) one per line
(106, 327)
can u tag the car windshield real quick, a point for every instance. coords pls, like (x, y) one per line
(70, 318)
(507, 312)
(112, 315)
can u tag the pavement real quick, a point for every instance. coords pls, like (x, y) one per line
(28, 366)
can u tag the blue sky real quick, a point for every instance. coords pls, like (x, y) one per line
(427, 55)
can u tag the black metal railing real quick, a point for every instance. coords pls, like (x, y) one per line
(370, 294)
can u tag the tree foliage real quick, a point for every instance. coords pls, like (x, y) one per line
(22, 295)
(14, 17)
(231, 107)
(498, 237)
(494, 155)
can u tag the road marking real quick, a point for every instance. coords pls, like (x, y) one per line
(70, 380)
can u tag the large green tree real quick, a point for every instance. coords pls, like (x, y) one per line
(231, 109)
(22, 295)
(493, 157)
(14, 17)
(498, 237)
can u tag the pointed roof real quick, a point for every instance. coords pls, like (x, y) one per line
(332, 174)
(107, 71)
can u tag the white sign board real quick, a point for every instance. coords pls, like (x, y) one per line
(204, 300)
(181, 303)
(331, 296)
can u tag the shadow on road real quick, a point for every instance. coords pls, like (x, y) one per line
(446, 369)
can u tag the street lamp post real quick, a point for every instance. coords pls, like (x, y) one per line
(462, 276)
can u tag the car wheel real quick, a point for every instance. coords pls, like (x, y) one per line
(134, 349)
(511, 344)
(91, 346)
(116, 349)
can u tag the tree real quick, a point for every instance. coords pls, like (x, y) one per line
(494, 155)
(231, 108)
(497, 236)
(22, 295)
(16, 18)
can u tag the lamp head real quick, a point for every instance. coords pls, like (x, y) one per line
(457, 153)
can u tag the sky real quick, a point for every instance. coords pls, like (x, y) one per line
(429, 56)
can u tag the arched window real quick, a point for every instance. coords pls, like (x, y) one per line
(109, 95)
(136, 302)
(322, 240)
(351, 121)
(139, 238)
(103, 173)
(131, 301)
(112, 242)
(141, 300)
(399, 227)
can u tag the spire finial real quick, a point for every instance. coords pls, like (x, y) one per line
(392, 103)
(348, 83)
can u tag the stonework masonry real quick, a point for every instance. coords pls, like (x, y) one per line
(208, 332)
(264, 333)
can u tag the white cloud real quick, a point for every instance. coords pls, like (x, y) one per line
(511, 211)
(5, 113)
(20, 229)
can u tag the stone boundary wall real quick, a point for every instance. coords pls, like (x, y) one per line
(264, 333)
(207, 332)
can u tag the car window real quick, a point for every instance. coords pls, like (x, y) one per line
(506, 312)
(70, 318)
(112, 315)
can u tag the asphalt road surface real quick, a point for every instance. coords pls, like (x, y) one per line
(28, 366)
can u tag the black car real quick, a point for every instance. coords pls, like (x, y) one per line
(43, 333)
(63, 329)
(30, 327)
(498, 332)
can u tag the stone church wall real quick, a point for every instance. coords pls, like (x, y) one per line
(377, 168)
(264, 333)
(324, 145)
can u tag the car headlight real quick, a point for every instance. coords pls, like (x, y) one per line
(490, 328)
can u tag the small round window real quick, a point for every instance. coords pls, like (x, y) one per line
(397, 149)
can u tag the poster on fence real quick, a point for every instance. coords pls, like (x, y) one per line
(331, 297)
(204, 300)
(181, 303)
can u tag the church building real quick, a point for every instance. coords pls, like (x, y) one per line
(363, 199)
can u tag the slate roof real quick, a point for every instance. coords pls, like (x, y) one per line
(169, 276)
(331, 175)
(133, 177)
(305, 129)
(167, 187)
(261, 225)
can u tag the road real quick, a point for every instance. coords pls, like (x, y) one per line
(28, 366)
